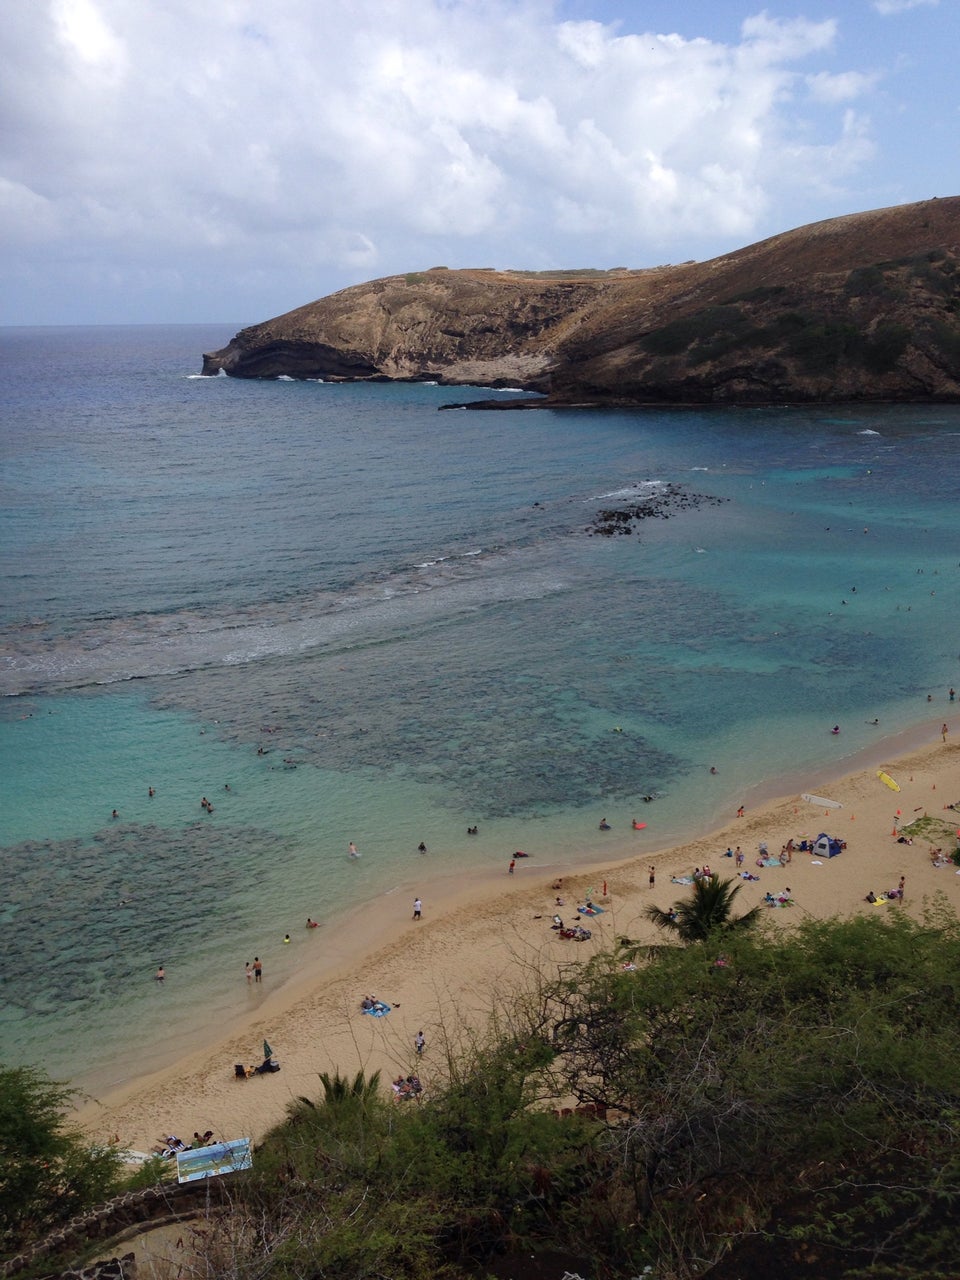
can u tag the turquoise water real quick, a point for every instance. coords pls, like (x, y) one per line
(408, 613)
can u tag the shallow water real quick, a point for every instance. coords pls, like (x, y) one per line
(406, 611)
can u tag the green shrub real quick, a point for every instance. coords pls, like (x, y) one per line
(820, 345)
(871, 282)
(762, 293)
(881, 351)
(946, 337)
(48, 1172)
(679, 335)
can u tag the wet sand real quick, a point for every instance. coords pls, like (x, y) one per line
(482, 937)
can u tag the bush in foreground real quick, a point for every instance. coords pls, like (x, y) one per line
(48, 1172)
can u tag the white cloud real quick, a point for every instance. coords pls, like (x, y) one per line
(358, 137)
(828, 88)
(901, 6)
(86, 33)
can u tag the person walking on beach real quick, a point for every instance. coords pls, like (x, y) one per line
(653, 876)
(513, 863)
(417, 908)
(257, 969)
(419, 1043)
(943, 732)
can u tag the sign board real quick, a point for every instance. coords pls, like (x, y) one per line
(210, 1162)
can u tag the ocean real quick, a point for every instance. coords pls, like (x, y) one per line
(339, 614)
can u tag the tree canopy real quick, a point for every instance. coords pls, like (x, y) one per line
(48, 1172)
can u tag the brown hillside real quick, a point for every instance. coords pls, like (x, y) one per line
(861, 307)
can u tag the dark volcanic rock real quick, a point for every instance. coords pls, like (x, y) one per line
(659, 506)
(865, 307)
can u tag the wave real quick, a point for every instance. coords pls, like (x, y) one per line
(429, 564)
(117, 650)
(867, 432)
(639, 489)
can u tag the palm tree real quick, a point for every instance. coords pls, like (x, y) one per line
(708, 912)
(337, 1089)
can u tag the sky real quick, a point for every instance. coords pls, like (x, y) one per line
(208, 161)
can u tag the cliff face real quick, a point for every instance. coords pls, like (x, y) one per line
(865, 307)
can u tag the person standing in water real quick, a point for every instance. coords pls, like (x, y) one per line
(353, 851)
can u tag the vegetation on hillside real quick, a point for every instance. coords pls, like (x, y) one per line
(754, 1103)
(48, 1172)
(797, 1098)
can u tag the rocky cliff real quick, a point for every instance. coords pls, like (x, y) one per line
(864, 307)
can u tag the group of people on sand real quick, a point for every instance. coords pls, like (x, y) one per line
(407, 1087)
(170, 1145)
(782, 899)
(891, 895)
(370, 1004)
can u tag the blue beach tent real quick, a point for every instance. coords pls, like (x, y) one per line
(826, 846)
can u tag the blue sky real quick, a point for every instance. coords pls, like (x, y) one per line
(226, 161)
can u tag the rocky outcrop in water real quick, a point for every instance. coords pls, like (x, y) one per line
(667, 501)
(860, 308)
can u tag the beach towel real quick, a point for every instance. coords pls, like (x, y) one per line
(590, 911)
(771, 862)
(681, 879)
(379, 1010)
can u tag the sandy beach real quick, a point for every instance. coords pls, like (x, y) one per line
(479, 939)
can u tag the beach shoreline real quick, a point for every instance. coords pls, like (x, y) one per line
(482, 935)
